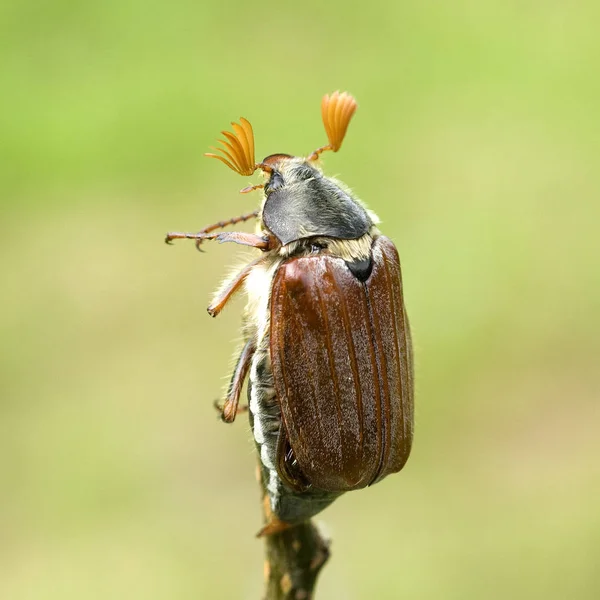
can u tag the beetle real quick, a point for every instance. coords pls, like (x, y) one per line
(327, 347)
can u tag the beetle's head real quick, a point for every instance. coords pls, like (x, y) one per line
(300, 202)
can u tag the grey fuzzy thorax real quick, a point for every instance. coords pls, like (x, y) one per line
(315, 207)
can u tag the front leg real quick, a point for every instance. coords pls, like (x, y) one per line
(209, 228)
(230, 406)
(245, 239)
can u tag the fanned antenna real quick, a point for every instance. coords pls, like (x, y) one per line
(336, 111)
(238, 148)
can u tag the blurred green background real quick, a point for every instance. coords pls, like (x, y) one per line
(476, 141)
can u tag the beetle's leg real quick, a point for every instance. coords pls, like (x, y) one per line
(219, 407)
(251, 188)
(195, 236)
(274, 526)
(232, 286)
(230, 406)
(240, 237)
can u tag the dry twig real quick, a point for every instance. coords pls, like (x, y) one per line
(293, 560)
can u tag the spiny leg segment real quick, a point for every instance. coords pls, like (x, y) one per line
(203, 233)
(217, 305)
(229, 409)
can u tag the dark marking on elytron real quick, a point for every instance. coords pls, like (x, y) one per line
(361, 268)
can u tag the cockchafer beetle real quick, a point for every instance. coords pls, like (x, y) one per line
(327, 343)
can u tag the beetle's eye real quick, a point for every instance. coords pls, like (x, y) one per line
(274, 183)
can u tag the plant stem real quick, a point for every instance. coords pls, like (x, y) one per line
(293, 559)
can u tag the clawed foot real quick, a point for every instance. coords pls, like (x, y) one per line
(225, 412)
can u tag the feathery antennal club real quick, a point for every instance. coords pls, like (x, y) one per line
(336, 112)
(238, 148)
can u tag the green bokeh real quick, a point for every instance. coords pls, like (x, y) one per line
(476, 142)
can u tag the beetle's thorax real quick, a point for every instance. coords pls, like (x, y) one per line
(348, 250)
(301, 202)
